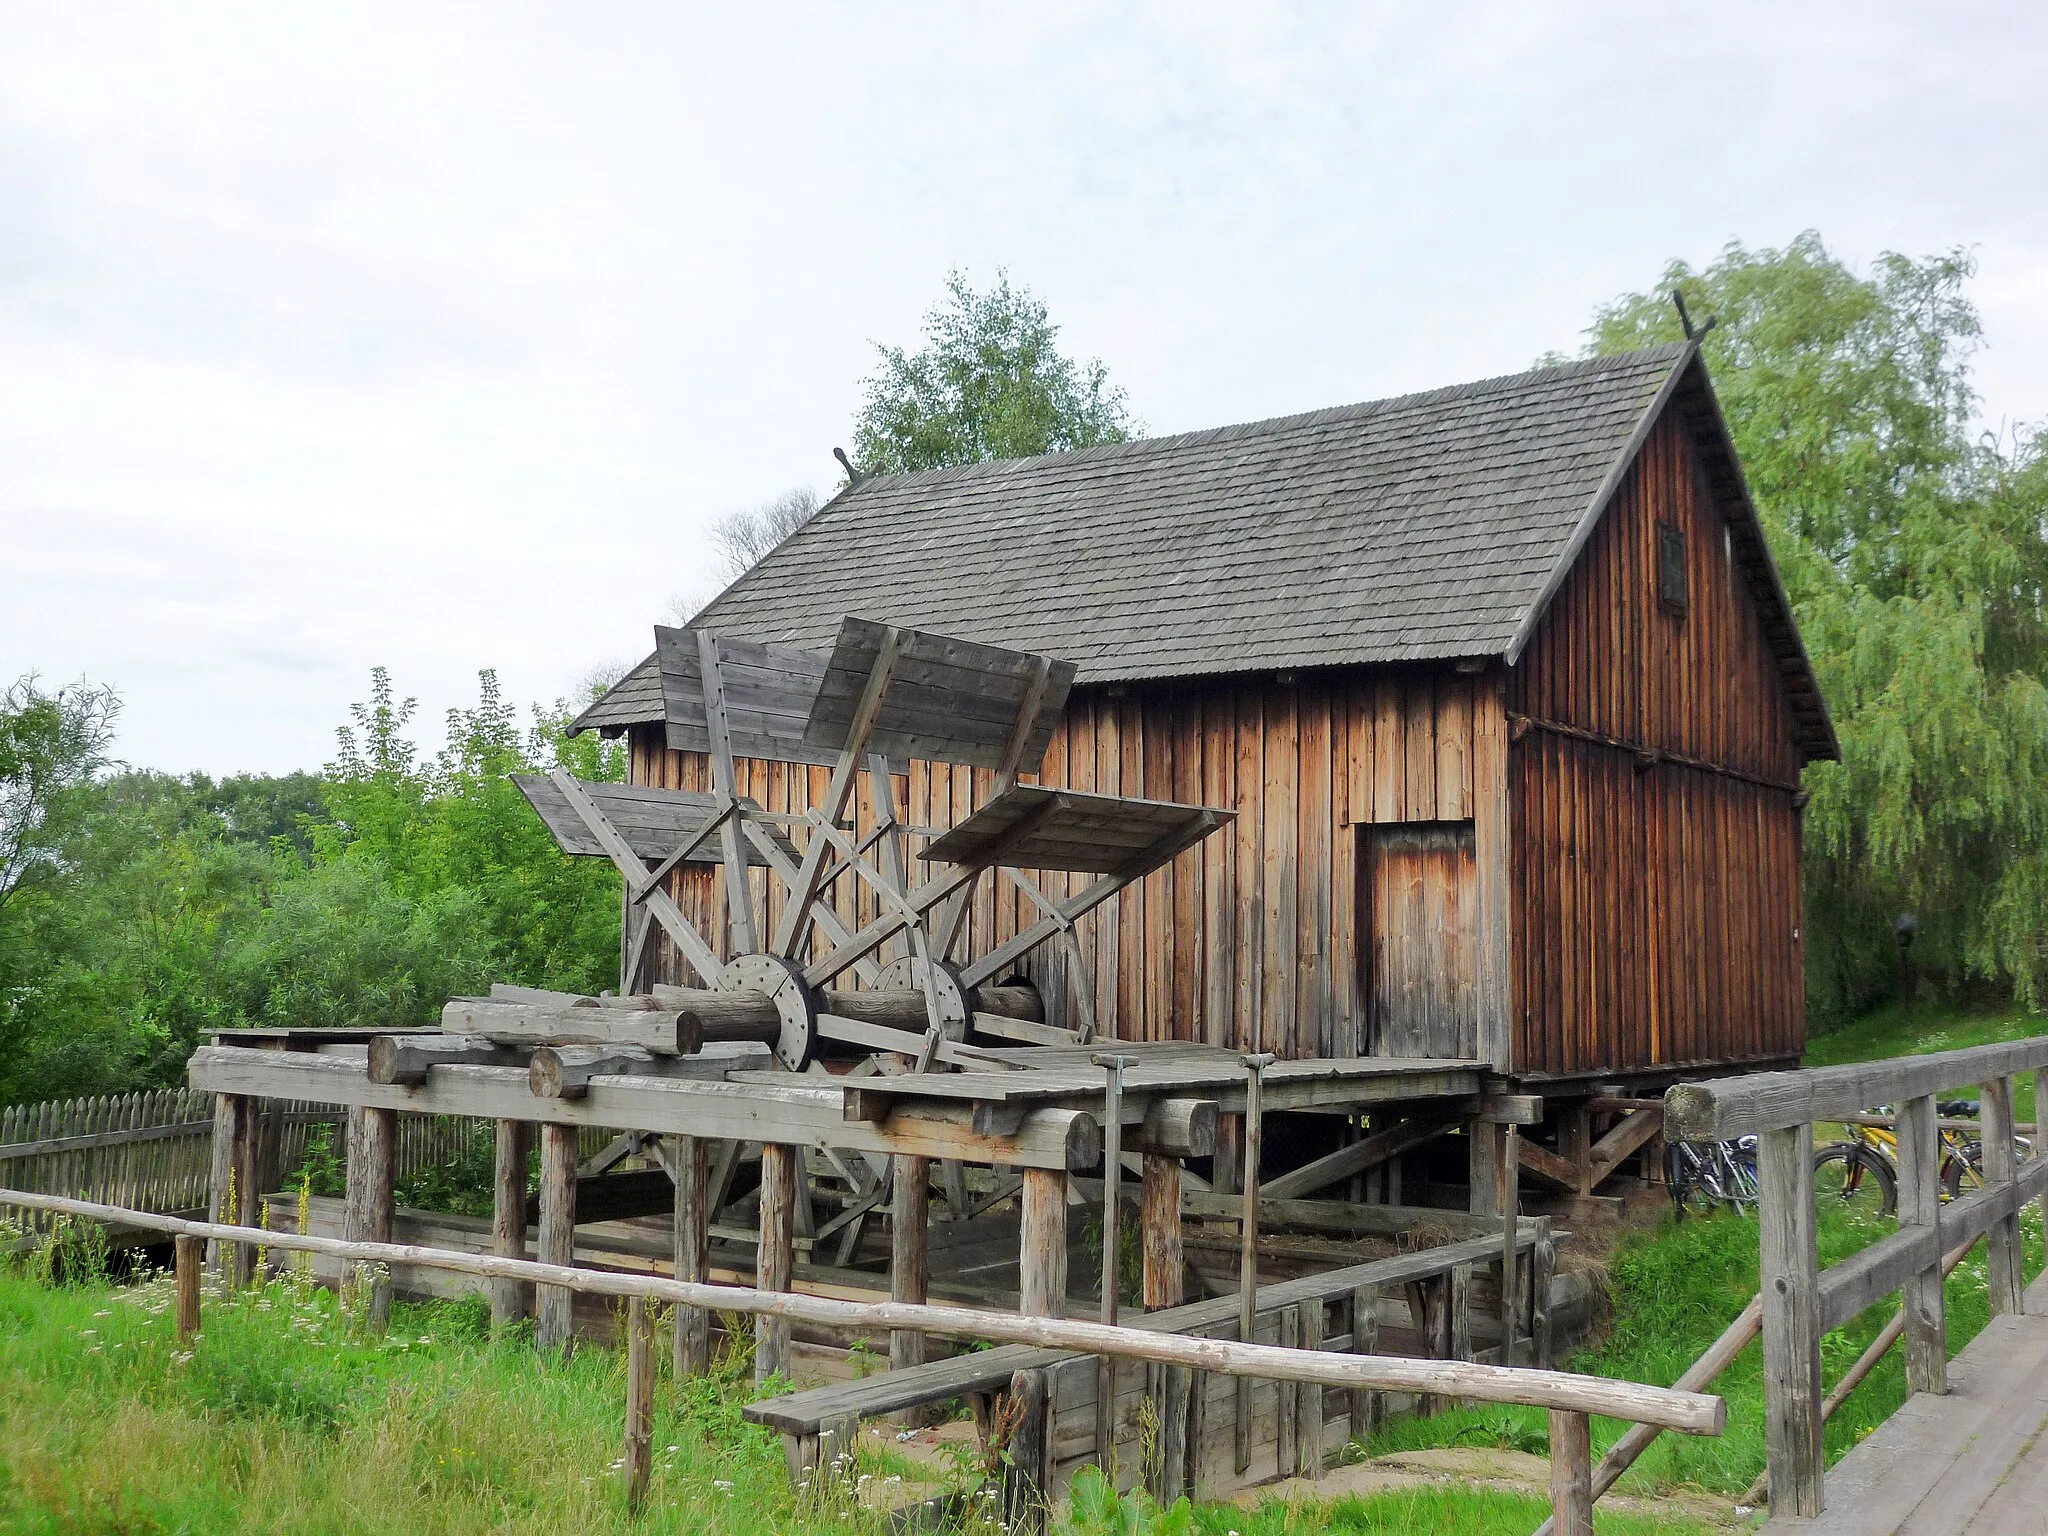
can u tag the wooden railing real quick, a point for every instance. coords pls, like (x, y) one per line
(1570, 1400)
(1801, 1301)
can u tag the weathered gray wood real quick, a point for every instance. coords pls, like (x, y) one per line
(702, 958)
(639, 1452)
(372, 1203)
(567, 1071)
(1309, 1406)
(1159, 1207)
(664, 1030)
(189, 1257)
(1042, 1275)
(1791, 1322)
(554, 1305)
(1028, 1473)
(512, 1144)
(406, 1059)
(690, 1160)
(739, 896)
(1688, 1412)
(1542, 1265)
(1288, 1454)
(909, 1220)
(1365, 1340)
(1112, 1254)
(756, 1109)
(1717, 1109)
(2002, 1267)
(233, 1181)
(776, 1256)
(1248, 1237)
(1919, 1154)
(1571, 1474)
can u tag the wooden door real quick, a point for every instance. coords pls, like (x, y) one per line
(1420, 887)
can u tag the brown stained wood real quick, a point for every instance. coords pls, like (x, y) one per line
(690, 1162)
(512, 1141)
(1423, 959)
(556, 1239)
(1159, 1223)
(910, 1211)
(639, 1449)
(780, 1170)
(1042, 1255)
(189, 1256)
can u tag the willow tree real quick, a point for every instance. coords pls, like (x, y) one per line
(989, 382)
(1914, 553)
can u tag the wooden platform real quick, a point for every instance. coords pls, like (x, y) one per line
(1973, 1463)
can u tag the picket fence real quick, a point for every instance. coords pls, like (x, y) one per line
(154, 1151)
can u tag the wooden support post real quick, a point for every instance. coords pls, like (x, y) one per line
(1571, 1473)
(910, 1217)
(371, 1204)
(1159, 1219)
(1026, 1476)
(2002, 1269)
(1483, 1144)
(1112, 1216)
(1791, 1291)
(691, 1159)
(234, 1194)
(1919, 1153)
(639, 1457)
(1311, 1394)
(555, 1305)
(1365, 1340)
(1508, 1190)
(1459, 1304)
(508, 1216)
(1171, 1387)
(776, 1256)
(1229, 1155)
(190, 1255)
(1043, 1257)
(1542, 1265)
(1248, 1239)
(1289, 1394)
(1575, 1142)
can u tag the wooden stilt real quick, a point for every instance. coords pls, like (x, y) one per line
(371, 1205)
(554, 1305)
(1248, 1241)
(1365, 1340)
(1042, 1281)
(775, 1261)
(910, 1215)
(690, 1157)
(1159, 1219)
(508, 1216)
(233, 1185)
(1571, 1474)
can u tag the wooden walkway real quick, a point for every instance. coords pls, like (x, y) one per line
(1973, 1463)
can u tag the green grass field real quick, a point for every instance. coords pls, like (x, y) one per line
(286, 1417)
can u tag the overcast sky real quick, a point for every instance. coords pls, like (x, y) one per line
(433, 337)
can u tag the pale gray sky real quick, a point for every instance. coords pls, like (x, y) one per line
(435, 336)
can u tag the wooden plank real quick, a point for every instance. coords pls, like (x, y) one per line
(639, 1449)
(690, 1165)
(909, 1215)
(1571, 1474)
(1042, 1256)
(752, 1110)
(1370, 1152)
(1919, 1155)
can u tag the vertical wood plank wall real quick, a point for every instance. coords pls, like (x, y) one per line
(1656, 905)
(1248, 939)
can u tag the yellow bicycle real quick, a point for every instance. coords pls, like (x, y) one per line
(1860, 1173)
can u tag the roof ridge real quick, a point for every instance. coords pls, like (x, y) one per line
(1356, 411)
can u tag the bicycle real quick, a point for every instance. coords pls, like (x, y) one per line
(1860, 1174)
(1708, 1176)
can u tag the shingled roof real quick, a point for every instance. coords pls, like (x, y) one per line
(1428, 527)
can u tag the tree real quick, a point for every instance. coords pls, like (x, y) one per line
(988, 383)
(50, 745)
(1916, 558)
(742, 538)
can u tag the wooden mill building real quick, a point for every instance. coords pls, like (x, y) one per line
(1499, 679)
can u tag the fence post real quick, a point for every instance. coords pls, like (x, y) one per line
(2003, 1269)
(233, 1193)
(639, 1400)
(1791, 1292)
(190, 1254)
(1919, 1144)
(1571, 1474)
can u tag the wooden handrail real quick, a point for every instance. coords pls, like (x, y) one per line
(1687, 1412)
(1801, 1301)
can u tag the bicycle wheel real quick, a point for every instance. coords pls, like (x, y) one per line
(1683, 1168)
(1847, 1177)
